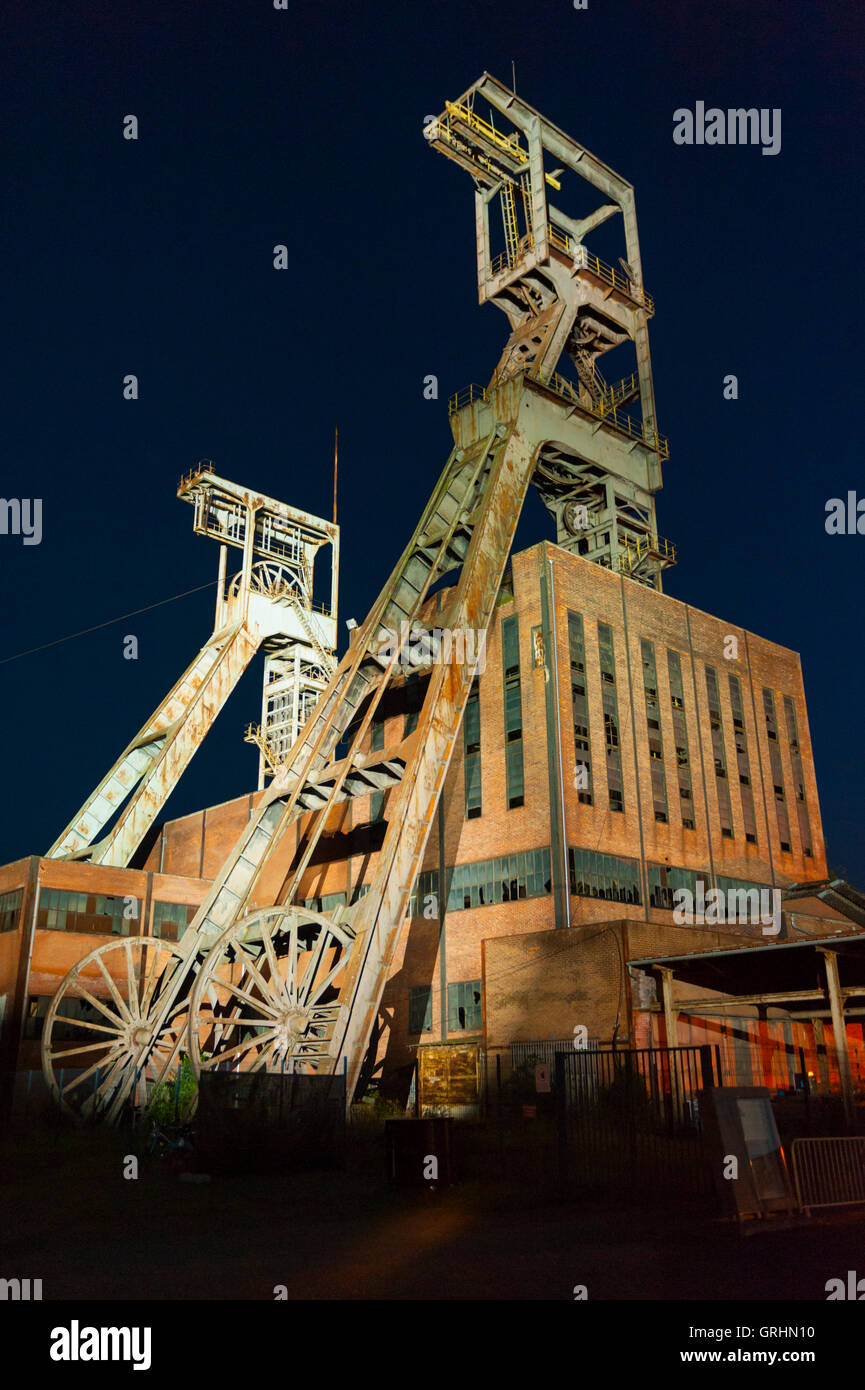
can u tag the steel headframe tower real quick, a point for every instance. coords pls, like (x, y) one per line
(601, 465)
(269, 604)
(320, 977)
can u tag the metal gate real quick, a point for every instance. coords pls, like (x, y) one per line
(829, 1172)
(630, 1118)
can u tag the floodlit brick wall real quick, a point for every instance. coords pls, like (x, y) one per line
(184, 856)
(432, 956)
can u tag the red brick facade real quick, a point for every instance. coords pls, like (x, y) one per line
(547, 583)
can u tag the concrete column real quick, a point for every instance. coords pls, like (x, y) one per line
(764, 1048)
(671, 1013)
(822, 1059)
(839, 1028)
(671, 1032)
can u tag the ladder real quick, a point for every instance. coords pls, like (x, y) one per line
(509, 219)
(324, 657)
(590, 375)
(148, 769)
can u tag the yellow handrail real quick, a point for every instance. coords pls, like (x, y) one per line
(616, 279)
(610, 414)
(644, 545)
(467, 396)
(503, 261)
(495, 137)
(602, 409)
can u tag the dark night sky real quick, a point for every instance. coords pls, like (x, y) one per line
(260, 126)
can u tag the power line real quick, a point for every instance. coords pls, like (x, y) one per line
(84, 631)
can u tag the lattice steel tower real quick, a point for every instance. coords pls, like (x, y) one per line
(600, 467)
(593, 451)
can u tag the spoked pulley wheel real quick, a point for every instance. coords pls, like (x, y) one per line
(116, 1026)
(267, 995)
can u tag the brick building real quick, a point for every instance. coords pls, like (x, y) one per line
(618, 745)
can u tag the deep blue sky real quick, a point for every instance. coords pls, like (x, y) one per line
(260, 126)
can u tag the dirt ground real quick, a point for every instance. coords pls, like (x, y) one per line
(73, 1220)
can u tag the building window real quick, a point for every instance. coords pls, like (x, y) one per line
(376, 744)
(514, 784)
(74, 1009)
(10, 906)
(170, 920)
(426, 885)
(326, 903)
(580, 709)
(664, 880)
(420, 1009)
(502, 880)
(472, 745)
(413, 702)
(464, 1007)
(777, 772)
(680, 734)
(594, 875)
(615, 785)
(744, 909)
(798, 776)
(741, 741)
(653, 724)
(93, 913)
(717, 730)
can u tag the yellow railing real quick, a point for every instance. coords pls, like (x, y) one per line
(605, 411)
(203, 466)
(616, 279)
(255, 734)
(628, 386)
(489, 132)
(508, 144)
(584, 259)
(504, 262)
(643, 546)
(467, 396)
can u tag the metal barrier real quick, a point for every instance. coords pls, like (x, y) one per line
(543, 1050)
(602, 408)
(629, 1117)
(643, 546)
(616, 279)
(610, 414)
(467, 396)
(829, 1172)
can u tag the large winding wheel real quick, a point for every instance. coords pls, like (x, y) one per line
(116, 1025)
(267, 995)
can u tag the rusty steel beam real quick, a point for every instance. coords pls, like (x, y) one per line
(177, 752)
(380, 918)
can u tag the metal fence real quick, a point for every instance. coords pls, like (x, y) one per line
(542, 1051)
(829, 1172)
(264, 1122)
(630, 1118)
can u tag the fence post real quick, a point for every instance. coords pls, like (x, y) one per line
(561, 1119)
(630, 1105)
(707, 1071)
(499, 1120)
